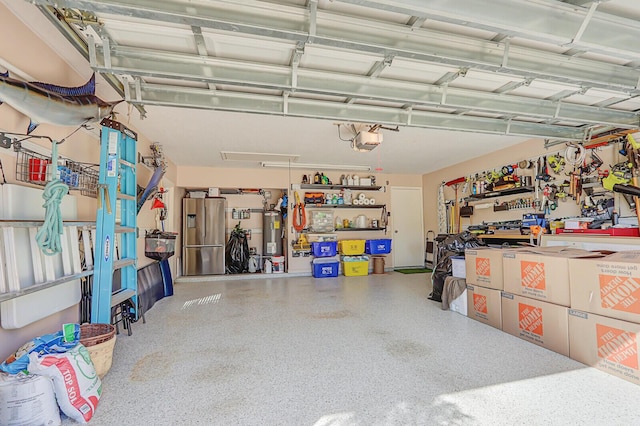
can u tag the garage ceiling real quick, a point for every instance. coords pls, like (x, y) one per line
(506, 70)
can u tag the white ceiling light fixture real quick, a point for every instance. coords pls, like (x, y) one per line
(285, 165)
(257, 156)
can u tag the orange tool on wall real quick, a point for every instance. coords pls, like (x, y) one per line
(299, 214)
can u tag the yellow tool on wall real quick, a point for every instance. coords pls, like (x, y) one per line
(556, 163)
(623, 177)
(633, 154)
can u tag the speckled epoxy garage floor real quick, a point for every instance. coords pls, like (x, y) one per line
(342, 351)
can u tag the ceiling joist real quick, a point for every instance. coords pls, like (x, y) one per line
(287, 23)
(298, 107)
(483, 81)
(149, 63)
(584, 26)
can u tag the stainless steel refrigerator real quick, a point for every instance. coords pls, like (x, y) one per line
(203, 230)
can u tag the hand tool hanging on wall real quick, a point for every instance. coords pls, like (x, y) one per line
(618, 179)
(594, 165)
(536, 183)
(442, 211)
(634, 159)
(299, 214)
(556, 163)
(543, 174)
(4, 179)
(455, 184)
(553, 197)
(578, 187)
(545, 205)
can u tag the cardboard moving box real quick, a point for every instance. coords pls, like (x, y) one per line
(608, 344)
(608, 286)
(484, 305)
(541, 272)
(541, 323)
(483, 266)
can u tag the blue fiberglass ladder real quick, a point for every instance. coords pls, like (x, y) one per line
(117, 181)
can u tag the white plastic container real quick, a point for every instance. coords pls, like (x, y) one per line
(278, 264)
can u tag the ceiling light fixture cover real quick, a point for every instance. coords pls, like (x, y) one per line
(257, 156)
(285, 165)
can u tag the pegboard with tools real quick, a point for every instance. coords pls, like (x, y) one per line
(565, 182)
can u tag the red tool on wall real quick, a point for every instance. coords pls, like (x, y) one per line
(455, 213)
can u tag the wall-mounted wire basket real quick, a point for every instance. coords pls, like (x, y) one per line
(35, 168)
(89, 181)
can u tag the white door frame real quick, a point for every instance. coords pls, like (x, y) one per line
(394, 210)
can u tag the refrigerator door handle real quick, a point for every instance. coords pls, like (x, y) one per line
(204, 214)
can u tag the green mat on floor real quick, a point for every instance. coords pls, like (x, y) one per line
(414, 270)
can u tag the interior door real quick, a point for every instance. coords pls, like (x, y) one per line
(407, 227)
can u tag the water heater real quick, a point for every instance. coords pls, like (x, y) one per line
(272, 234)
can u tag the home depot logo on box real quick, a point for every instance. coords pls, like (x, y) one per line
(530, 319)
(620, 293)
(532, 275)
(617, 346)
(480, 303)
(483, 266)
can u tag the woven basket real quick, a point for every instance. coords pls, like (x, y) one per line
(102, 356)
(94, 334)
(99, 339)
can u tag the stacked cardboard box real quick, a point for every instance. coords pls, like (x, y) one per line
(581, 304)
(484, 283)
(604, 319)
(536, 296)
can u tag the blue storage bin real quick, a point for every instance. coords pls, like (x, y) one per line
(324, 248)
(377, 246)
(325, 268)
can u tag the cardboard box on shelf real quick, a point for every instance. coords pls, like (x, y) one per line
(540, 323)
(484, 305)
(608, 344)
(608, 286)
(541, 272)
(483, 267)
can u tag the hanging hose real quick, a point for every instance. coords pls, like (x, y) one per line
(299, 215)
(48, 236)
